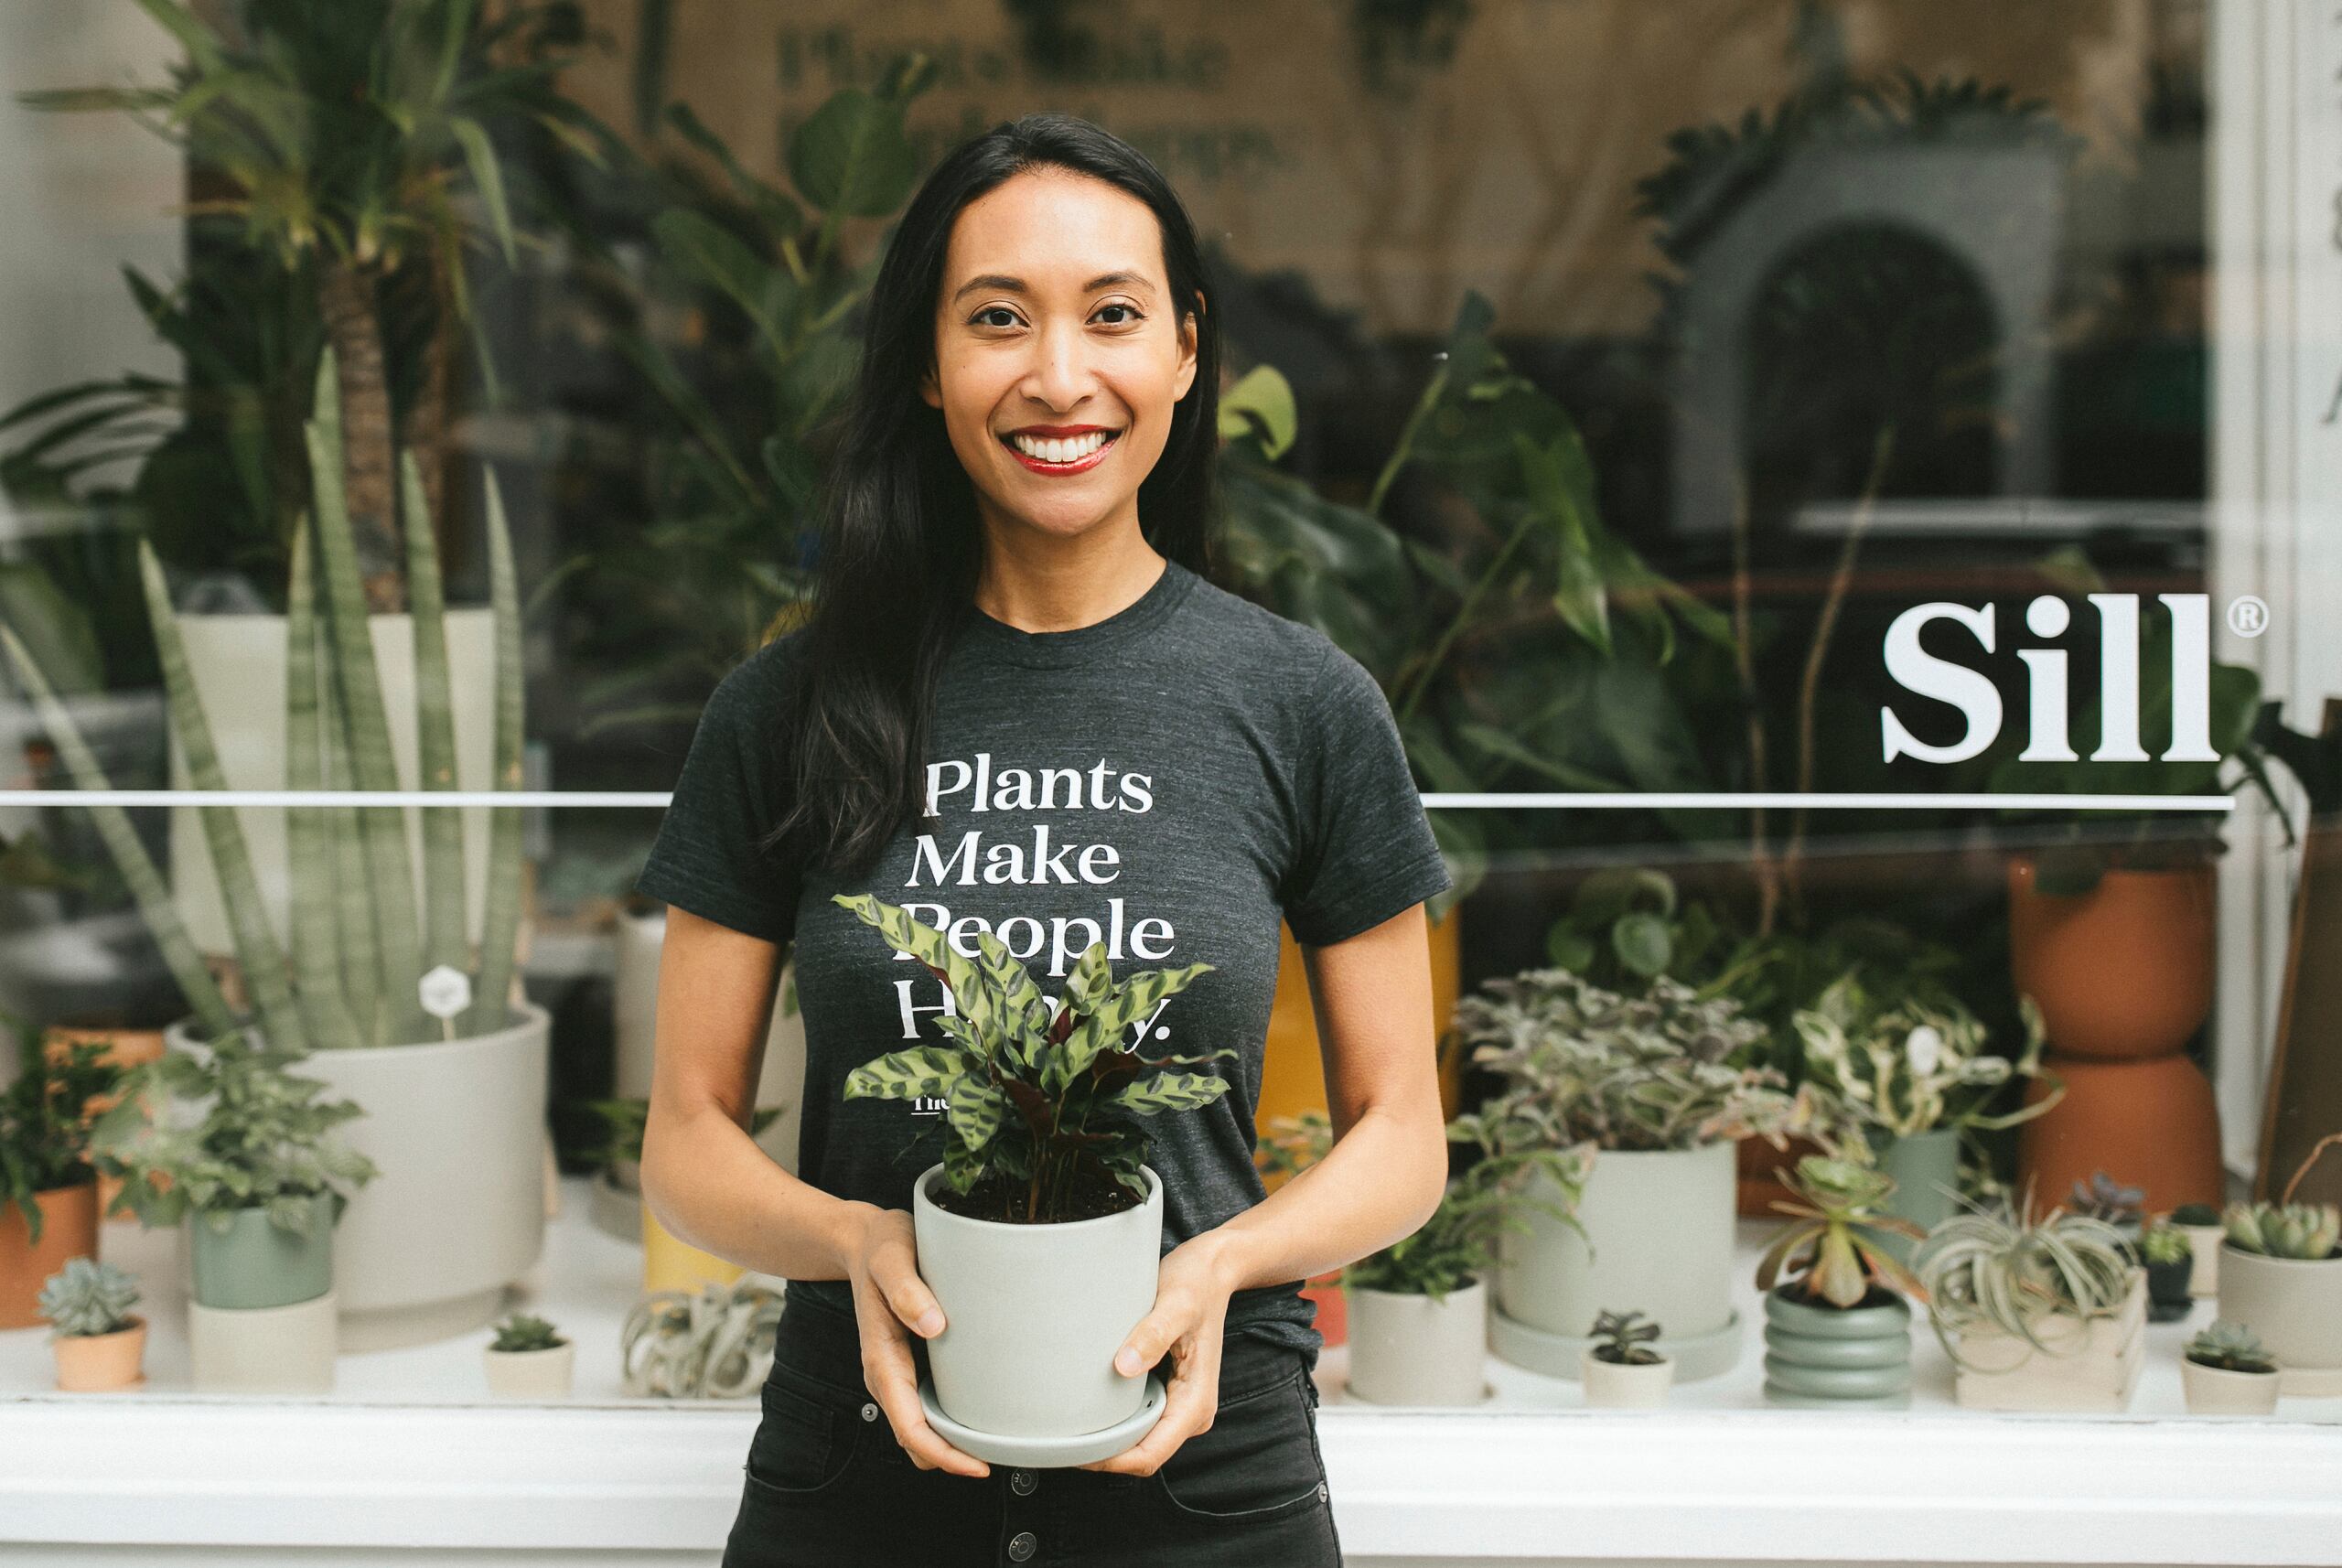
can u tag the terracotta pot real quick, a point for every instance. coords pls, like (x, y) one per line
(125, 1048)
(1757, 1167)
(2151, 1124)
(1292, 1073)
(1325, 1293)
(93, 1363)
(2122, 972)
(69, 1230)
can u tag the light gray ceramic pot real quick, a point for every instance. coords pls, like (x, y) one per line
(1661, 1226)
(1825, 1355)
(1410, 1349)
(1033, 1314)
(2294, 1304)
(1926, 1168)
(244, 1259)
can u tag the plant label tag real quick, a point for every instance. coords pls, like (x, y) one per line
(447, 991)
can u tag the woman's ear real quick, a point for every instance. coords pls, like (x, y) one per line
(929, 388)
(1185, 376)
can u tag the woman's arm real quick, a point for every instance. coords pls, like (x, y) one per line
(1382, 1179)
(708, 1183)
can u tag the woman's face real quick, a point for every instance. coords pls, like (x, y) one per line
(1058, 353)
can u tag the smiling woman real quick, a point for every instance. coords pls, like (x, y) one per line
(1023, 709)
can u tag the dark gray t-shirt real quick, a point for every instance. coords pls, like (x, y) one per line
(1174, 779)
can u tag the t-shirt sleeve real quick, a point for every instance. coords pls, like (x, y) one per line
(1366, 850)
(707, 857)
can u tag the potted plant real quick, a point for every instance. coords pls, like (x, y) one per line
(48, 1189)
(1913, 1075)
(390, 1003)
(241, 1151)
(1419, 1307)
(528, 1359)
(2119, 1204)
(1624, 1367)
(2280, 1276)
(1839, 1331)
(1043, 1208)
(1289, 1145)
(1661, 1086)
(97, 1340)
(2202, 1225)
(2227, 1372)
(715, 1343)
(2170, 1260)
(2046, 1314)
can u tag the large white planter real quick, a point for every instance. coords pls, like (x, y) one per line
(1033, 1314)
(635, 1004)
(237, 662)
(262, 1349)
(458, 1130)
(2295, 1306)
(1660, 1226)
(1410, 1349)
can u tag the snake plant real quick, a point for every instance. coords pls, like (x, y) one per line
(359, 947)
(1044, 1102)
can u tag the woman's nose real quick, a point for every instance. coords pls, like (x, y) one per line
(1061, 376)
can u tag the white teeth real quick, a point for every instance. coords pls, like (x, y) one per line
(1069, 449)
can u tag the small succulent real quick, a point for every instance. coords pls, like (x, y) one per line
(88, 1298)
(522, 1331)
(2231, 1348)
(2285, 1231)
(1626, 1337)
(2166, 1244)
(2103, 1198)
(1838, 1235)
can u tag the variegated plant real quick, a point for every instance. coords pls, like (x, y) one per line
(1047, 1098)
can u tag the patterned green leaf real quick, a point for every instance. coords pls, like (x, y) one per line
(972, 992)
(908, 1075)
(1170, 1091)
(976, 1110)
(1123, 1161)
(1092, 980)
(1136, 998)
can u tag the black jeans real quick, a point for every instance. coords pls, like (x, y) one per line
(828, 1486)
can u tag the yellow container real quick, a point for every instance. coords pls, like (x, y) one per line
(671, 1264)
(1292, 1077)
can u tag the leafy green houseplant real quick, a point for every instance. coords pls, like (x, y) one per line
(48, 1188)
(1837, 1325)
(256, 1166)
(97, 1340)
(1623, 1367)
(1042, 1206)
(2225, 1370)
(2036, 1314)
(1661, 1085)
(528, 1359)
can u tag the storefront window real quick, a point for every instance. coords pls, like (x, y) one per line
(1837, 497)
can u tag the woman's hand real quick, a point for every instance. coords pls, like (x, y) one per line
(891, 1303)
(1190, 1312)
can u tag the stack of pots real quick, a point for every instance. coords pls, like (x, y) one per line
(2122, 975)
(261, 1315)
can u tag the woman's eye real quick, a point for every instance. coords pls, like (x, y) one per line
(1129, 313)
(996, 315)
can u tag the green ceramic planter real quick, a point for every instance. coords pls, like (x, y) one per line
(1924, 1165)
(1822, 1355)
(253, 1262)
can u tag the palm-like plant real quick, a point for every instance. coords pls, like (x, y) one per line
(1835, 1251)
(1043, 1101)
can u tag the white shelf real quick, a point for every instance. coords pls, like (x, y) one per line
(409, 1450)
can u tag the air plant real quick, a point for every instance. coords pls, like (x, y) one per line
(1991, 1269)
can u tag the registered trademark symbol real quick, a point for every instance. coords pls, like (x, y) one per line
(2248, 615)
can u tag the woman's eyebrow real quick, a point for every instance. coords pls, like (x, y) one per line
(1007, 284)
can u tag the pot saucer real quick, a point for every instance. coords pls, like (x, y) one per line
(1697, 1356)
(1046, 1453)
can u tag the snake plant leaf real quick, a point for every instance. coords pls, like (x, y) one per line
(444, 938)
(500, 920)
(263, 961)
(316, 953)
(354, 914)
(390, 882)
(121, 840)
(909, 1074)
(1170, 1091)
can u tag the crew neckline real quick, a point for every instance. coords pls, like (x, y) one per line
(1075, 645)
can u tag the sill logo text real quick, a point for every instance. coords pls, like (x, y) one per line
(1925, 674)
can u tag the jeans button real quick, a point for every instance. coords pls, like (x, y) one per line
(1022, 1482)
(1022, 1546)
(869, 1413)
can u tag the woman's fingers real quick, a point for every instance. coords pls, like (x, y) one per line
(1192, 1405)
(892, 1378)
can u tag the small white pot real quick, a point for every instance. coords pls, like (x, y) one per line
(1033, 1314)
(530, 1374)
(1410, 1349)
(1614, 1385)
(264, 1349)
(2218, 1390)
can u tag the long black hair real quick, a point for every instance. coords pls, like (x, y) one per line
(900, 545)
